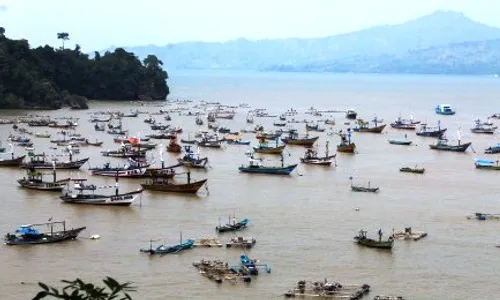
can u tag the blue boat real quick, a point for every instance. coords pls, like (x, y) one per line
(255, 166)
(444, 109)
(492, 149)
(162, 249)
(250, 266)
(487, 164)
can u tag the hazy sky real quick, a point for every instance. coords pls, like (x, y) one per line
(96, 25)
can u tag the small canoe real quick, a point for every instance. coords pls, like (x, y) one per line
(398, 142)
(412, 170)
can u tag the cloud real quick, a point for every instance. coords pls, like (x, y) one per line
(3, 8)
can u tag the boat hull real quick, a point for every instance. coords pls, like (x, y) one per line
(43, 185)
(269, 150)
(190, 188)
(92, 199)
(268, 170)
(402, 143)
(300, 142)
(71, 165)
(16, 162)
(349, 148)
(56, 237)
(387, 245)
(455, 148)
(320, 161)
(410, 170)
(132, 173)
(376, 129)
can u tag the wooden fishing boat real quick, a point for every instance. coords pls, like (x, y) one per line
(346, 145)
(82, 193)
(34, 181)
(361, 239)
(442, 144)
(125, 152)
(412, 170)
(241, 242)
(232, 226)
(255, 166)
(487, 164)
(96, 143)
(173, 146)
(363, 126)
(426, 131)
(409, 234)
(43, 135)
(237, 141)
(311, 157)
(483, 128)
(265, 148)
(29, 235)
(99, 127)
(162, 249)
(294, 139)
(315, 128)
(132, 170)
(207, 143)
(12, 162)
(400, 123)
(366, 189)
(162, 184)
(267, 135)
(191, 159)
(38, 161)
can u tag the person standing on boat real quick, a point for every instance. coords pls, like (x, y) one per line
(380, 233)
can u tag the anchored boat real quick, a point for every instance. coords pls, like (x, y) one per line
(29, 235)
(162, 249)
(34, 181)
(412, 170)
(232, 226)
(163, 184)
(39, 161)
(444, 109)
(361, 239)
(294, 139)
(255, 166)
(82, 193)
(311, 157)
(487, 164)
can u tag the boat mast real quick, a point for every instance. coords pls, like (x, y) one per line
(116, 183)
(458, 136)
(161, 156)
(326, 146)
(54, 170)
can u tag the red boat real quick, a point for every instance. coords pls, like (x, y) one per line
(173, 146)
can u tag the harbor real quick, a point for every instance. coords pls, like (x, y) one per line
(303, 222)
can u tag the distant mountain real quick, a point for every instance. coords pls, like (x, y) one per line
(463, 58)
(387, 43)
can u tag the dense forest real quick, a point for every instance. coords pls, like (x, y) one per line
(48, 78)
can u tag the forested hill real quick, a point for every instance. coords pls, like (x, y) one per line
(48, 78)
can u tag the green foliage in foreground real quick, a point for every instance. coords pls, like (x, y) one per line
(79, 290)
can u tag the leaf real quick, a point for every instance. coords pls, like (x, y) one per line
(43, 286)
(40, 295)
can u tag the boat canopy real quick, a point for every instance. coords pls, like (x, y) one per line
(27, 230)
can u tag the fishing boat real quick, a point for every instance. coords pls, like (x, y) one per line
(162, 171)
(255, 166)
(250, 119)
(125, 151)
(241, 242)
(82, 193)
(311, 157)
(483, 128)
(366, 189)
(487, 164)
(232, 226)
(444, 109)
(412, 170)
(131, 170)
(315, 127)
(409, 234)
(162, 249)
(400, 142)
(401, 123)
(29, 235)
(173, 146)
(346, 145)
(363, 126)
(484, 217)
(38, 161)
(163, 184)
(443, 145)
(12, 161)
(351, 114)
(492, 149)
(362, 239)
(294, 139)
(265, 148)
(426, 131)
(34, 181)
(96, 143)
(45, 135)
(236, 140)
(99, 127)
(210, 143)
(268, 135)
(191, 159)
(250, 266)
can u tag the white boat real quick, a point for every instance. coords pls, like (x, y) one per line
(86, 194)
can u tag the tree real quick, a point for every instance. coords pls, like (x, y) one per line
(2, 32)
(64, 36)
(79, 290)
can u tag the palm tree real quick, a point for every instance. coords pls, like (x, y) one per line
(64, 36)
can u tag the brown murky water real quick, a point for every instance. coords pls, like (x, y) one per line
(304, 223)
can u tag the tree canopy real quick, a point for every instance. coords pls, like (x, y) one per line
(44, 76)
